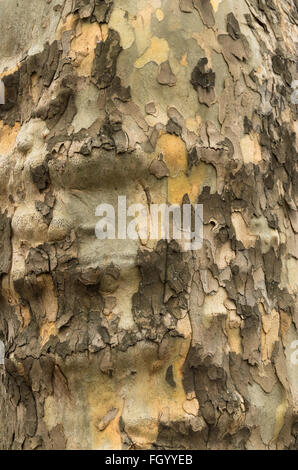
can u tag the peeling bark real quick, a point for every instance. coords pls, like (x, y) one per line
(140, 345)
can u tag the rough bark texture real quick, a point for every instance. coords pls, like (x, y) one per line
(138, 345)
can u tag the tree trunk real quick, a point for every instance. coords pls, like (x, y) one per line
(139, 343)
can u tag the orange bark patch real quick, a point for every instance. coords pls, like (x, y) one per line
(174, 153)
(46, 331)
(87, 35)
(67, 25)
(8, 137)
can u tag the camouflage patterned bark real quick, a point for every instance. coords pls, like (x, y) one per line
(113, 344)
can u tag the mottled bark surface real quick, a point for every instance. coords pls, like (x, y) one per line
(134, 344)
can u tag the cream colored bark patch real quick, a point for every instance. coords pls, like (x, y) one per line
(215, 4)
(87, 106)
(191, 407)
(251, 149)
(184, 327)
(159, 14)
(157, 52)
(214, 306)
(193, 124)
(292, 266)
(207, 41)
(242, 232)
(224, 255)
(233, 324)
(120, 23)
(141, 23)
(269, 237)
(87, 36)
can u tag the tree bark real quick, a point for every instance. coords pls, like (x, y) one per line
(137, 344)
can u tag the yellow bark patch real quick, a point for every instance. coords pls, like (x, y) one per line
(177, 187)
(110, 437)
(156, 399)
(157, 52)
(8, 137)
(192, 185)
(215, 4)
(46, 330)
(9, 71)
(119, 22)
(184, 61)
(174, 153)
(87, 35)
(194, 124)
(143, 399)
(159, 14)
(197, 177)
(251, 149)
